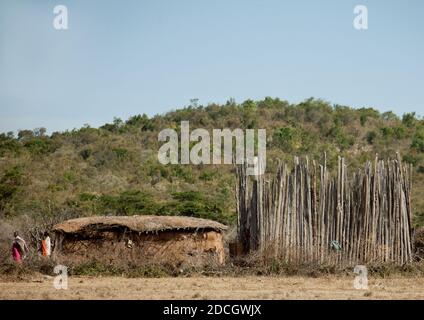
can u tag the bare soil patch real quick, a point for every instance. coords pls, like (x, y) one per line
(331, 287)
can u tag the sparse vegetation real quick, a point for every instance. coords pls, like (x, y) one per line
(114, 169)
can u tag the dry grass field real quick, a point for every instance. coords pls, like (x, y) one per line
(331, 287)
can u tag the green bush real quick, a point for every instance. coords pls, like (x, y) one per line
(371, 137)
(39, 146)
(366, 113)
(185, 203)
(389, 116)
(126, 203)
(409, 119)
(288, 139)
(397, 132)
(10, 184)
(418, 141)
(121, 153)
(88, 197)
(188, 196)
(207, 175)
(141, 121)
(343, 140)
(195, 204)
(183, 172)
(85, 154)
(129, 203)
(408, 158)
(8, 143)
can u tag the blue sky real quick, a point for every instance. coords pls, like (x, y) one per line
(120, 58)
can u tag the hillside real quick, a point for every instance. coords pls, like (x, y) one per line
(114, 169)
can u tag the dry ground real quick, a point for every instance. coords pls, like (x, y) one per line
(213, 288)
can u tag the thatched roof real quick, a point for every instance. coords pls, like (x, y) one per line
(138, 224)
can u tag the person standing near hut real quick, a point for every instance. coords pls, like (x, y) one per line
(16, 253)
(19, 248)
(46, 245)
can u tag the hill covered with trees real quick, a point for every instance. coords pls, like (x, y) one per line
(114, 169)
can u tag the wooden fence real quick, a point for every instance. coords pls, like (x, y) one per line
(306, 215)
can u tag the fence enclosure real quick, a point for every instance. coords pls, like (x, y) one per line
(306, 215)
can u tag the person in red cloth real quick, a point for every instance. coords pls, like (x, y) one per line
(19, 248)
(16, 255)
(46, 245)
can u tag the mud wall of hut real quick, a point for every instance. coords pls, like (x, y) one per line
(188, 248)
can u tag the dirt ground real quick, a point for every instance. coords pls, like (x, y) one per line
(213, 288)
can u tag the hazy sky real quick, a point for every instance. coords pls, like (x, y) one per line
(120, 58)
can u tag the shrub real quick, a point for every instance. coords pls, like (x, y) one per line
(418, 141)
(344, 114)
(207, 175)
(195, 204)
(39, 146)
(408, 158)
(249, 104)
(366, 113)
(70, 177)
(388, 116)
(371, 137)
(126, 203)
(8, 143)
(121, 153)
(343, 140)
(397, 132)
(409, 119)
(141, 121)
(183, 172)
(25, 134)
(10, 184)
(85, 154)
(288, 139)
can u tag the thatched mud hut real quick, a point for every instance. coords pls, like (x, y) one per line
(140, 240)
